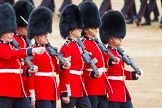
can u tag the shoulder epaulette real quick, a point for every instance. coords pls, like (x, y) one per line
(67, 42)
(83, 39)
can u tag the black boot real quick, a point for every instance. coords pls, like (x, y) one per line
(137, 21)
(129, 21)
(155, 19)
(160, 25)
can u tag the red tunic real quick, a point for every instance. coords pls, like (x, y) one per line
(22, 43)
(72, 52)
(11, 83)
(94, 86)
(20, 40)
(118, 86)
(44, 81)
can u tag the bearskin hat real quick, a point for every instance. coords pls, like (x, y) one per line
(7, 19)
(70, 19)
(113, 25)
(40, 22)
(22, 9)
(91, 17)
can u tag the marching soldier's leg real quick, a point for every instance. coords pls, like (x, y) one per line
(129, 19)
(94, 101)
(151, 8)
(22, 103)
(147, 18)
(134, 10)
(71, 104)
(132, 13)
(31, 1)
(114, 104)
(64, 3)
(49, 4)
(83, 103)
(103, 100)
(141, 13)
(161, 16)
(127, 7)
(6, 102)
(46, 104)
(52, 5)
(156, 11)
(105, 6)
(127, 104)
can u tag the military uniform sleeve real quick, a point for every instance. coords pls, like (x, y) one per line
(15, 54)
(64, 75)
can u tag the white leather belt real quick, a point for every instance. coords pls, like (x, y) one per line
(48, 74)
(76, 72)
(121, 78)
(100, 70)
(16, 71)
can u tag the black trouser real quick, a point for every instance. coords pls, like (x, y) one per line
(105, 6)
(161, 12)
(127, 7)
(9, 1)
(82, 102)
(6, 102)
(143, 10)
(46, 104)
(49, 3)
(65, 2)
(127, 104)
(153, 7)
(132, 12)
(31, 1)
(99, 101)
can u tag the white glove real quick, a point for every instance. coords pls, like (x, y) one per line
(39, 50)
(67, 66)
(33, 70)
(68, 89)
(141, 73)
(32, 95)
(116, 60)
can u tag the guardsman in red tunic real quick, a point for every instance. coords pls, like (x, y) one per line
(112, 32)
(23, 9)
(43, 85)
(11, 86)
(95, 86)
(73, 92)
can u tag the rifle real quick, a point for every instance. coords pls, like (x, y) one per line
(128, 60)
(28, 41)
(87, 59)
(15, 44)
(53, 52)
(104, 49)
(27, 59)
